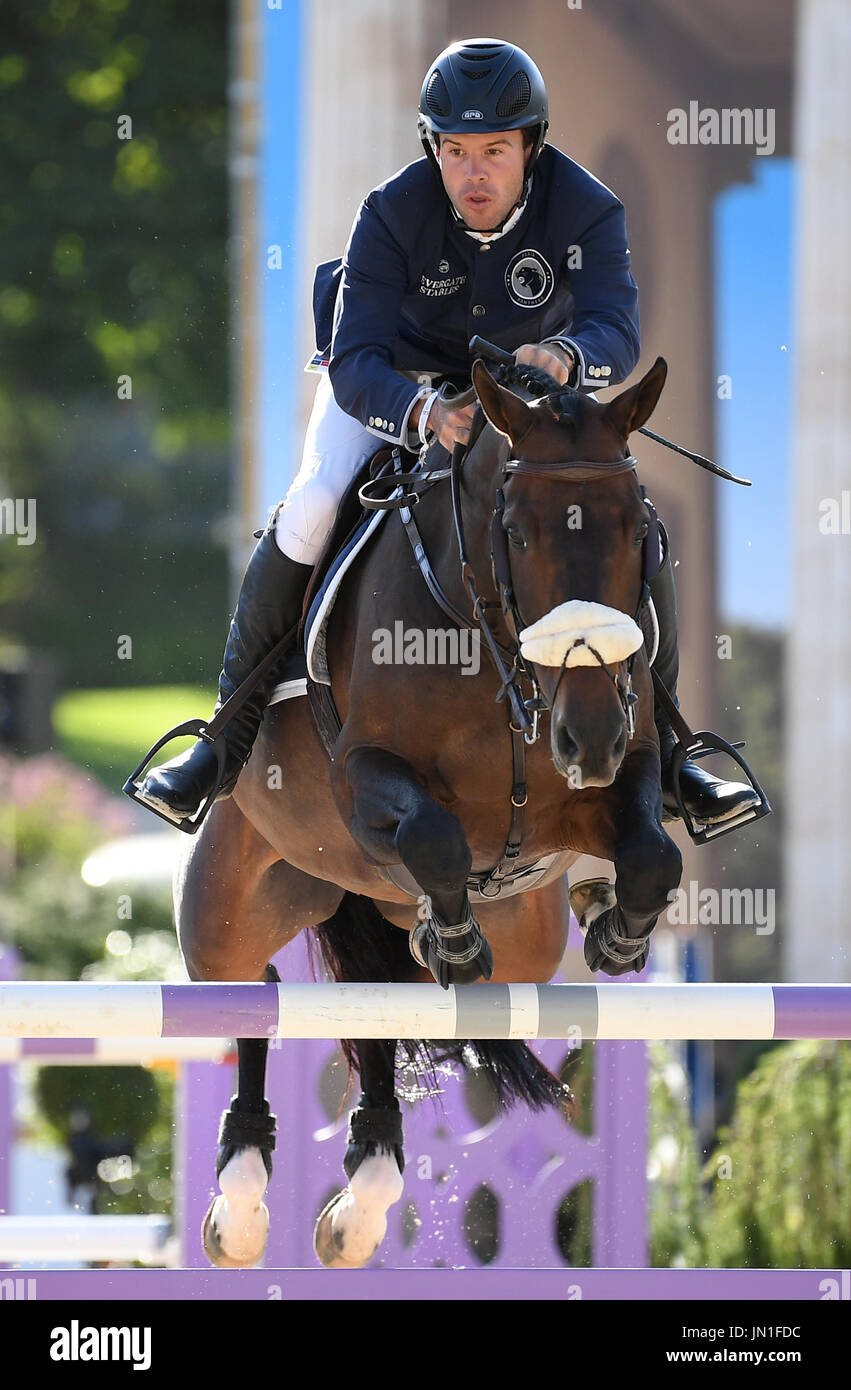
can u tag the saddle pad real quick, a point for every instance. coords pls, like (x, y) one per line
(316, 623)
(292, 680)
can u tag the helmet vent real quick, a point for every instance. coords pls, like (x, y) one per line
(515, 97)
(437, 97)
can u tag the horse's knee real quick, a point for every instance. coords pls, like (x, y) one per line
(431, 842)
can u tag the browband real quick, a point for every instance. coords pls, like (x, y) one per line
(580, 472)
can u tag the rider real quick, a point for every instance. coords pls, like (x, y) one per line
(491, 233)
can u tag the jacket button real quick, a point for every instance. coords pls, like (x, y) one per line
(478, 310)
(485, 246)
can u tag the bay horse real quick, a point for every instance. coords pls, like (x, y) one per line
(434, 796)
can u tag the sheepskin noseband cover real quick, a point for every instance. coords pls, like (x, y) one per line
(611, 633)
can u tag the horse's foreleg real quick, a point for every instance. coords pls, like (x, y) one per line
(353, 1224)
(236, 1226)
(648, 866)
(395, 820)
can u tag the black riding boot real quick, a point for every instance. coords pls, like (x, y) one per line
(707, 799)
(269, 604)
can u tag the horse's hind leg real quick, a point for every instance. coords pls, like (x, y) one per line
(236, 1226)
(237, 903)
(353, 1224)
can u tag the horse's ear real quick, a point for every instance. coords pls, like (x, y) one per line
(629, 410)
(506, 412)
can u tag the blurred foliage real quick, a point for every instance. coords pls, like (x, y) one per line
(122, 1101)
(674, 1195)
(114, 264)
(782, 1172)
(776, 1192)
(751, 704)
(52, 816)
(108, 731)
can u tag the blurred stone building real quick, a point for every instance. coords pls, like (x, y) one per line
(614, 70)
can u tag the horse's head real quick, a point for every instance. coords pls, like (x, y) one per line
(575, 525)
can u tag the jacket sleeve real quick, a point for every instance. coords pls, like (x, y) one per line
(604, 335)
(368, 311)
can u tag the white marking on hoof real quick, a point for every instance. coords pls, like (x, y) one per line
(354, 1223)
(236, 1226)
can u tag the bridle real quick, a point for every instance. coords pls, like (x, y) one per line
(525, 714)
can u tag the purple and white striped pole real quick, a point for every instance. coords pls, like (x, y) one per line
(627, 1011)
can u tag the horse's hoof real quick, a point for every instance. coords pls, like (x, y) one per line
(253, 1246)
(589, 898)
(351, 1227)
(329, 1243)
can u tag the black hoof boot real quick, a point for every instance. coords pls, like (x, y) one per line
(246, 1130)
(608, 948)
(373, 1131)
(455, 955)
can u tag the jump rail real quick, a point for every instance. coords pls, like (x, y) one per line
(81, 1237)
(573, 1012)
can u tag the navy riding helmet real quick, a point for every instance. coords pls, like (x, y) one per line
(483, 85)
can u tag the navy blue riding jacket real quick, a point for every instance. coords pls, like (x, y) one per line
(414, 286)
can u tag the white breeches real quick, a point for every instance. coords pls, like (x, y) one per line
(335, 446)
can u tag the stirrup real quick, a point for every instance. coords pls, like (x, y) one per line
(702, 745)
(189, 824)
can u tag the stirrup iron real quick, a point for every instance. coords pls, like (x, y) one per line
(702, 745)
(196, 728)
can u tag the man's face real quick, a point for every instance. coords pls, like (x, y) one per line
(483, 175)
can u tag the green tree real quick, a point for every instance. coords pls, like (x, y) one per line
(782, 1173)
(114, 266)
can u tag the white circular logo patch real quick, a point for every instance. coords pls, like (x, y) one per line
(529, 279)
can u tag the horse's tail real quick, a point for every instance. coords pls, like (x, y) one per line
(359, 944)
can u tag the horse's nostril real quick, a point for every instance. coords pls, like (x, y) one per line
(568, 750)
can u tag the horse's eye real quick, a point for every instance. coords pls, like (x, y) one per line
(516, 539)
(641, 533)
